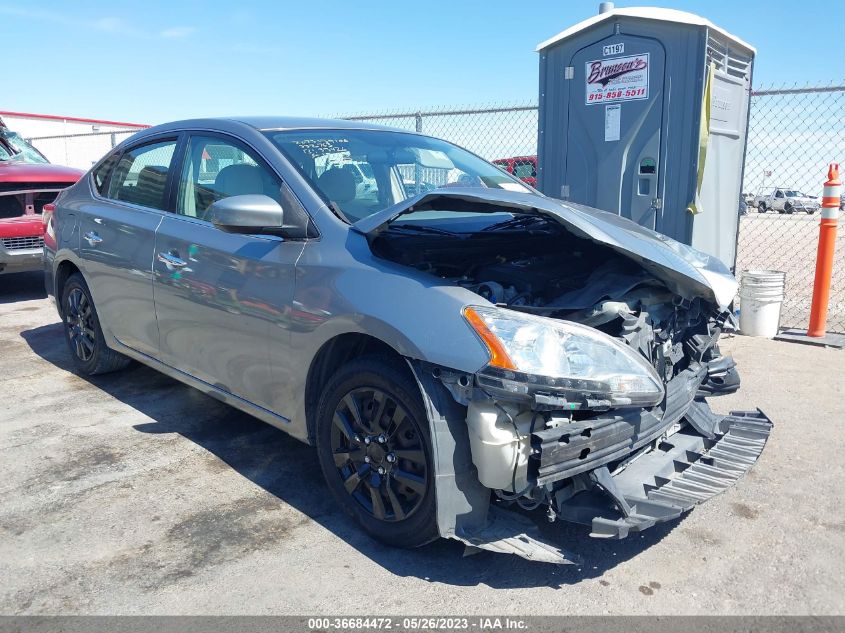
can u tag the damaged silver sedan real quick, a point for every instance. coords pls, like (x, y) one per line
(468, 356)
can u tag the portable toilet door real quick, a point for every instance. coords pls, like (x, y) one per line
(617, 71)
(627, 100)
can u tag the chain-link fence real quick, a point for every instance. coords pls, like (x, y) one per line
(80, 150)
(491, 132)
(793, 134)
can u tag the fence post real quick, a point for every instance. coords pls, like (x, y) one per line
(417, 168)
(824, 257)
(113, 140)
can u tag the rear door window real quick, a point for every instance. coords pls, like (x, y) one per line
(141, 175)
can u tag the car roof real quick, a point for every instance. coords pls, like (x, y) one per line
(298, 123)
(276, 123)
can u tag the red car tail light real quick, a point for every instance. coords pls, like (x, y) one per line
(46, 212)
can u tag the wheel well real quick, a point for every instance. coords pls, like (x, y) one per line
(332, 355)
(64, 271)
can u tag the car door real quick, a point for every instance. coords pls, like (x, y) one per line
(222, 300)
(117, 229)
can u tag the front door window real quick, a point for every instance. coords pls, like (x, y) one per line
(214, 169)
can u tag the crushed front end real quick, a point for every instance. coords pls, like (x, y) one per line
(591, 457)
(576, 451)
(602, 339)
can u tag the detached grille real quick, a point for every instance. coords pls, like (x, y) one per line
(22, 243)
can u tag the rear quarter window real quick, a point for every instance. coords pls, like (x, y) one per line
(103, 171)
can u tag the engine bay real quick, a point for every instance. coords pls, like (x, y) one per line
(540, 268)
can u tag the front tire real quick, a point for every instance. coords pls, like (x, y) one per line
(375, 452)
(761, 208)
(83, 333)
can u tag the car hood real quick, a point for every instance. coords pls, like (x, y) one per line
(20, 171)
(21, 226)
(685, 270)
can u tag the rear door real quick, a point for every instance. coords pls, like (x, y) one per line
(117, 229)
(222, 300)
(613, 151)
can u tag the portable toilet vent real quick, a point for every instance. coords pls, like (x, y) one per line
(644, 113)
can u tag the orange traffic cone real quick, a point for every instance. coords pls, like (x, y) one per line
(827, 246)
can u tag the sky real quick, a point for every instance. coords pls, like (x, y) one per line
(152, 61)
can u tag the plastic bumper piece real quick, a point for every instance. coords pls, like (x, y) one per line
(684, 470)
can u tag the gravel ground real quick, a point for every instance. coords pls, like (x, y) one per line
(133, 494)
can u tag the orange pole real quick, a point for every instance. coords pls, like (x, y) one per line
(824, 257)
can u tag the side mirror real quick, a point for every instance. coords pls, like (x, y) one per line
(254, 213)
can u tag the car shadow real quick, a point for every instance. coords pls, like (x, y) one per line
(289, 470)
(16, 287)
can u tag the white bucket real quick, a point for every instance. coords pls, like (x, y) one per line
(761, 296)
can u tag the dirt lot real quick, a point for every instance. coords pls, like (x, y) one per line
(133, 494)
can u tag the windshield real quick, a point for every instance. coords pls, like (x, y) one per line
(397, 166)
(524, 170)
(795, 194)
(13, 147)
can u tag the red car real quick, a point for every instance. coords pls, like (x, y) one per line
(523, 167)
(27, 182)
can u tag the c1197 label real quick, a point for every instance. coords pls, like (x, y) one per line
(613, 49)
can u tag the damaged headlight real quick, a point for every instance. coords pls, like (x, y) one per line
(529, 354)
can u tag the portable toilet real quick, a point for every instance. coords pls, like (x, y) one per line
(644, 112)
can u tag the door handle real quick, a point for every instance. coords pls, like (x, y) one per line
(92, 238)
(171, 260)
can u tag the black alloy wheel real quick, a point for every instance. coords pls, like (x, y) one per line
(79, 321)
(379, 454)
(83, 333)
(373, 442)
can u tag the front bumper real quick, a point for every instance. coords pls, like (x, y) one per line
(638, 471)
(684, 470)
(659, 484)
(17, 260)
(562, 452)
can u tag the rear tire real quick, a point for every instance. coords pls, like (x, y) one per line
(83, 333)
(375, 451)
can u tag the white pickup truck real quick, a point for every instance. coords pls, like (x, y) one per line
(785, 200)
